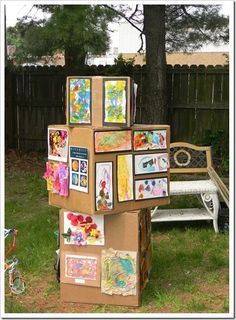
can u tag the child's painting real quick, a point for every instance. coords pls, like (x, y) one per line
(125, 177)
(80, 269)
(79, 101)
(104, 186)
(57, 144)
(57, 175)
(81, 229)
(151, 163)
(149, 140)
(119, 272)
(110, 141)
(115, 102)
(151, 188)
(79, 168)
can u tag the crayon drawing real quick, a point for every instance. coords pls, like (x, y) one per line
(80, 101)
(149, 140)
(57, 144)
(109, 141)
(151, 163)
(115, 103)
(125, 177)
(151, 188)
(118, 272)
(104, 186)
(81, 267)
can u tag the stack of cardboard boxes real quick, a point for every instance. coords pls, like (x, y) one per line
(105, 173)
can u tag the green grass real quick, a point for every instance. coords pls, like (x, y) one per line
(189, 264)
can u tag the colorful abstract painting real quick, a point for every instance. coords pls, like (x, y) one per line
(79, 168)
(57, 177)
(151, 188)
(125, 177)
(115, 101)
(81, 229)
(81, 267)
(149, 140)
(151, 163)
(57, 144)
(80, 101)
(119, 272)
(110, 141)
(104, 186)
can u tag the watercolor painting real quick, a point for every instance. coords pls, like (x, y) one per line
(57, 144)
(115, 101)
(81, 229)
(81, 267)
(151, 188)
(79, 168)
(118, 272)
(104, 186)
(149, 140)
(57, 177)
(151, 163)
(125, 177)
(110, 141)
(80, 101)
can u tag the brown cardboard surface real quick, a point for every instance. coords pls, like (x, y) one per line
(121, 233)
(97, 100)
(85, 202)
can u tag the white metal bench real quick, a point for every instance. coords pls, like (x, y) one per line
(187, 158)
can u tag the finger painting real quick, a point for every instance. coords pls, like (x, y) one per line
(57, 144)
(149, 140)
(109, 141)
(151, 188)
(125, 177)
(151, 163)
(104, 186)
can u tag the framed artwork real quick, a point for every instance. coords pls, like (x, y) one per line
(81, 229)
(79, 168)
(80, 269)
(115, 102)
(149, 140)
(112, 141)
(125, 177)
(119, 275)
(56, 175)
(57, 144)
(151, 188)
(151, 163)
(79, 100)
(104, 186)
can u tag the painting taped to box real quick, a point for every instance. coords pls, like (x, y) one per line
(57, 144)
(125, 177)
(81, 229)
(110, 141)
(119, 275)
(149, 140)
(57, 177)
(151, 188)
(80, 101)
(104, 186)
(151, 163)
(115, 101)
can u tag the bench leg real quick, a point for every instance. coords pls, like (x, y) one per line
(212, 204)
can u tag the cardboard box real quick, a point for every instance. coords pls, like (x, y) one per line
(116, 151)
(122, 232)
(89, 101)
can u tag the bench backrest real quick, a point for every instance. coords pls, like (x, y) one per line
(188, 158)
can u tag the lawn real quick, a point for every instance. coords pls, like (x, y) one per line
(189, 268)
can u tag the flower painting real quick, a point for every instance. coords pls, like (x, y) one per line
(57, 144)
(151, 188)
(115, 101)
(151, 163)
(149, 140)
(125, 177)
(109, 141)
(118, 272)
(104, 186)
(79, 101)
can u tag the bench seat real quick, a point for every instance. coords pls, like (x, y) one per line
(192, 187)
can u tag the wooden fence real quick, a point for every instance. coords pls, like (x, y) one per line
(198, 100)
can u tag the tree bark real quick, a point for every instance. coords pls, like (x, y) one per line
(155, 109)
(74, 57)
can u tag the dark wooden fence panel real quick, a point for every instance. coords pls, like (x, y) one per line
(197, 98)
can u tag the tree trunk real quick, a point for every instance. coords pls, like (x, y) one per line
(154, 30)
(74, 57)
